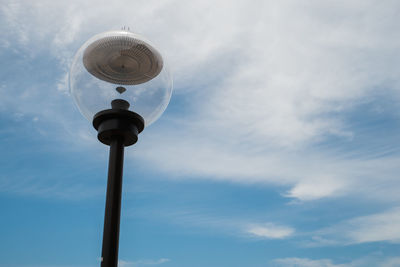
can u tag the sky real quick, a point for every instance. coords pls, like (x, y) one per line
(280, 145)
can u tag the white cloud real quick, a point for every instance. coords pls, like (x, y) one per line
(139, 263)
(391, 262)
(270, 231)
(249, 228)
(378, 227)
(312, 189)
(309, 174)
(304, 262)
(371, 260)
(293, 73)
(49, 186)
(296, 72)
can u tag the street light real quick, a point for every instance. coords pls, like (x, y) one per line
(120, 83)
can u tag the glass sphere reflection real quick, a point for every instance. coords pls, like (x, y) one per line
(120, 65)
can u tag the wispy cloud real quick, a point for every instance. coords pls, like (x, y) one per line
(309, 174)
(34, 186)
(43, 265)
(378, 227)
(140, 263)
(270, 231)
(304, 262)
(249, 228)
(372, 260)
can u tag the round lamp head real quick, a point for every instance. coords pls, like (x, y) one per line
(120, 65)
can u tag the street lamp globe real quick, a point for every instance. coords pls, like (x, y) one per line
(120, 65)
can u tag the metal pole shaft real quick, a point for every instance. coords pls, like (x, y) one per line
(109, 255)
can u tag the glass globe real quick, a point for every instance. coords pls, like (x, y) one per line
(120, 65)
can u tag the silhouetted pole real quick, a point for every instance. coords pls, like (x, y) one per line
(117, 127)
(109, 254)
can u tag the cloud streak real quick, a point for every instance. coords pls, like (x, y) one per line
(366, 261)
(270, 231)
(377, 227)
(249, 228)
(139, 263)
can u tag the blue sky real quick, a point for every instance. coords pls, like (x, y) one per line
(279, 146)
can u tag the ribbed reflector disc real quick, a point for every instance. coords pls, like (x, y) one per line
(122, 60)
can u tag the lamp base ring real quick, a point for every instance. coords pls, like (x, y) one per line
(118, 123)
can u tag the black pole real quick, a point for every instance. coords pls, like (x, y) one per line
(117, 127)
(109, 255)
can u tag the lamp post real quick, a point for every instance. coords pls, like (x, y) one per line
(120, 83)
